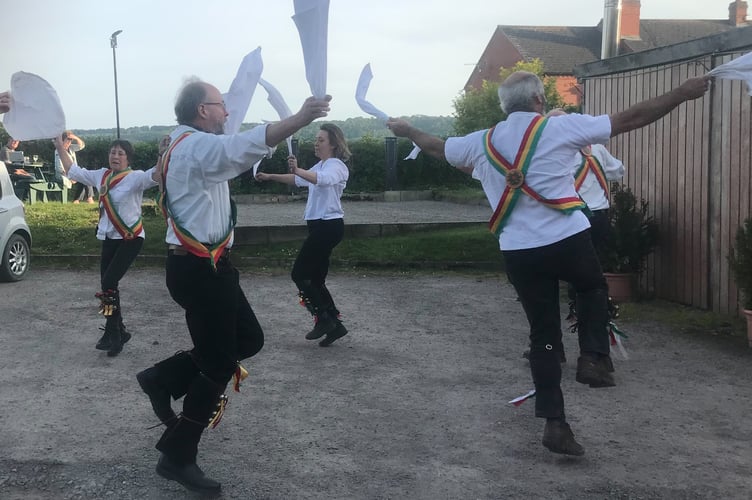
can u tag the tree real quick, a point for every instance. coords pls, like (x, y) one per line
(480, 109)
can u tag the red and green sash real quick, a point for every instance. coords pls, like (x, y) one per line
(515, 177)
(111, 179)
(214, 251)
(590, 164)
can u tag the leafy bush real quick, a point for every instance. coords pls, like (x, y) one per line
(634, 234)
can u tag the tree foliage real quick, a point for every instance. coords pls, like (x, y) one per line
(480, 109)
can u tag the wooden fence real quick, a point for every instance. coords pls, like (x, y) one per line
(692, 166)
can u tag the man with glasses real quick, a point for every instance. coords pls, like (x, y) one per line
(525, 167)
(195, 170)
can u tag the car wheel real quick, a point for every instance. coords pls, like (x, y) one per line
(16, 258)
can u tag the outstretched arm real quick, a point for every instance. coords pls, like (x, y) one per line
(283, 178)
(430, 144)
(646, 112)
(312, 108)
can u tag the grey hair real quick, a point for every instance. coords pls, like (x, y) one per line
(519, 90)
(190, 96)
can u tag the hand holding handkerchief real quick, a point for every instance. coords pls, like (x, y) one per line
(282, 109)
(360, 96)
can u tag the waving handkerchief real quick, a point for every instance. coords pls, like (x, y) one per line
(312, 20)
(360, 94)
(738, 69)
(35, 111)
(279, 104)
(238, 98)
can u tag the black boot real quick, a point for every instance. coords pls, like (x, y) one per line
(338, 332)
(559, 438)
(169, 378)
(313, 300)
(179, 442)
(116, 338)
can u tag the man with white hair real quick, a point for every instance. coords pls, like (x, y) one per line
(525, 167)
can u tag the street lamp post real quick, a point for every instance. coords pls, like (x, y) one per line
(113, 44)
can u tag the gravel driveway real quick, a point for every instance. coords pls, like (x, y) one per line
(413, 404)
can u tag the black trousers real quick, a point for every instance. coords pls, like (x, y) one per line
(535, 274)
(600, 232)
(222, 325)
(116, 257)
(312, 262)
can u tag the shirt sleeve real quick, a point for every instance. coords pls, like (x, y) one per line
(612, 166)
(463, 151)
(334, 173)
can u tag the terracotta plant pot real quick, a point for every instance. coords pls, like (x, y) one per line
(620, 286)
(748, 315)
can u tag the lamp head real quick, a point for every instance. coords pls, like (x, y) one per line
(113, 38)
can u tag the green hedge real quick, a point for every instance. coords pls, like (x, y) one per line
(367, 166)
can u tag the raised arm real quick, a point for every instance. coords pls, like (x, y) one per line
(312, 108)
(646, 112)
(65, 159)
(430, 144)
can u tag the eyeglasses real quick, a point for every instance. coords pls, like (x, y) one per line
(213, 104)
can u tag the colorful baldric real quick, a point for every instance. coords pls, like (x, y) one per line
(590, 164)
(111, 179)
(515, 177)
(214, 251)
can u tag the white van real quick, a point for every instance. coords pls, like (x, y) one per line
(15, 237)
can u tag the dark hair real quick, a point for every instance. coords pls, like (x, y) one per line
(337, 140)
(126, 146)
(189, 98)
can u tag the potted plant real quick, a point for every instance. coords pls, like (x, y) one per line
(740, 260)
(634, 236)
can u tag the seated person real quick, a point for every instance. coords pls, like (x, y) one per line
(18, 176)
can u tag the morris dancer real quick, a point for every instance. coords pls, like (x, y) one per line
(524, 166)
(200, 277)
(120, 227)
(326, 227)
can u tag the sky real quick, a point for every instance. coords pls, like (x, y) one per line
(421, 51)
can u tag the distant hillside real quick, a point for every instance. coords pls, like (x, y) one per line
(354, 128)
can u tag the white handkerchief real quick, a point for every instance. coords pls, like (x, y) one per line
(312, 20)
(238, 98)
(35, 111)
(255, 167)
(414, 153)
(279, 104)
(360, 94)
(738, 69)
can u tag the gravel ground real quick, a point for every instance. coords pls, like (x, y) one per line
(412, 404)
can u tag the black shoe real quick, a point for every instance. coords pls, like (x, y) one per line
(158, 395)
(558, 438)
(324, 326)
(593, 370)
(191, 476)
(339, 331)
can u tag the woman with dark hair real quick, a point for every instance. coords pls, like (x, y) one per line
(120, 228)
(325, 181)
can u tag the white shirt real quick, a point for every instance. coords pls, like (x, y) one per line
(60, 171)
(324, 196)
(591, 191)
(126, 197)
(532, 224)
(198, 174)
